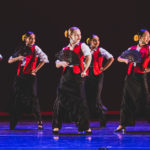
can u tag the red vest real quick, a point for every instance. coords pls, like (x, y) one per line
(77, 69)
(97, 62)
(145, 60)
(30, 63)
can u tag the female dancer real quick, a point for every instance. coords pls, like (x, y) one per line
(135, 93)
(70, 99)
(25, 87)
(94, 81)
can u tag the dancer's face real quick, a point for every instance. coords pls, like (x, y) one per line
(145, 38)
(26, 39)
(95, 42)
(31, 40)
(75, 36)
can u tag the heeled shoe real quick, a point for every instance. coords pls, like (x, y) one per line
(120, 129)
(40, 125)
(55, 130)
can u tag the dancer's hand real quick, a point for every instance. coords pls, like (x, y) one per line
(147, 70)
(83, 74)
(33, 72)
(101, 69)
(64, 64)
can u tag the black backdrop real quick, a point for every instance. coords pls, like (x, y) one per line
(115, 21)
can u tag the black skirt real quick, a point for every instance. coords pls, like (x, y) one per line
(93, 86)
(135, 100)
(70, 103)
(25, 98)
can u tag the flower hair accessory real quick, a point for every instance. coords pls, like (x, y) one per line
(88, 40)
(136, 37)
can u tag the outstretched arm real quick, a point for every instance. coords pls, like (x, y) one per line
(12, 60)
(123, 60)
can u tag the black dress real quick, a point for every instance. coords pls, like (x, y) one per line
(135, 101)
(24, 99)
(70, 102)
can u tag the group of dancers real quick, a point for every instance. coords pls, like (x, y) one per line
(80, 86)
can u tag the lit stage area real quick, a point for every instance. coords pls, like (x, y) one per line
(26, 137)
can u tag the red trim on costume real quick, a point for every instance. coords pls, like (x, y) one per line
(97, 62)
(145, 60)
(30, 63)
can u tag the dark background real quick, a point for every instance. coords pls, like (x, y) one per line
(115, 21)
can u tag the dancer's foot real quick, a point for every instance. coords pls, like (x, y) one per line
(40, 125)
(55, 130)
(89, 131)
(120, 128)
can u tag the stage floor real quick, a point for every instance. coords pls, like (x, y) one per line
(27, 137)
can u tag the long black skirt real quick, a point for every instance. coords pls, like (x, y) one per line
(25, 99)
(93, 88)
(70, 103)
(135, 102)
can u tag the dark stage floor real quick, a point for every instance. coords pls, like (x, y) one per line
(26, 136)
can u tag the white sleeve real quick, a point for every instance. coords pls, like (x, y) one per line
(1, 57)
(105, 53)
(85, 49)
(10, 57)
(43, 57)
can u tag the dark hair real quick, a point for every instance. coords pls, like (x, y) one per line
(90, 38)
(28, 33)
(141, 32)
(94, 36)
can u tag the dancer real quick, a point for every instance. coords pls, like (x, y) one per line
(135, 93)
(25, 97)
(70, 99)
(94, 81)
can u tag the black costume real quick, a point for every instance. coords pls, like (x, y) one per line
(25, 99)
(70, 103)
(135, 102)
